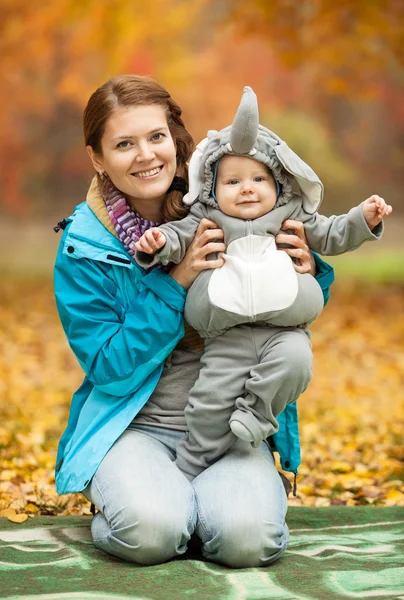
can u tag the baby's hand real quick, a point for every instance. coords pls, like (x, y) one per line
(151, 241)
(374, 210)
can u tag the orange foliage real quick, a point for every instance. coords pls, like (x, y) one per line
(344, 46)
(59, 54)
(293, 53)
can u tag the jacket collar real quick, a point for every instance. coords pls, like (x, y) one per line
(91, 232)
(86, 226)
(96, 202)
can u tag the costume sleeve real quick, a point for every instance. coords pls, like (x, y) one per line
(337, 234)
(179, 235)
(117, 348)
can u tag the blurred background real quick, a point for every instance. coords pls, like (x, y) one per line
(330, 80)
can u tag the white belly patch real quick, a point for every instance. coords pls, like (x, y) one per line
(256, 278)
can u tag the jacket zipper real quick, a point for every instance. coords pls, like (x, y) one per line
(251, 311)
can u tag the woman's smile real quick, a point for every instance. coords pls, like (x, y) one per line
(149, 174)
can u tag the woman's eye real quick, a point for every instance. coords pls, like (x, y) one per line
(123, 145)
(157, 137)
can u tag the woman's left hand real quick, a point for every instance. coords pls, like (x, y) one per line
(300, 249)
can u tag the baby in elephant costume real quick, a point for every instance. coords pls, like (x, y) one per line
(253, 310)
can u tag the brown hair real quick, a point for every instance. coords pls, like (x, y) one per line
(137, 90)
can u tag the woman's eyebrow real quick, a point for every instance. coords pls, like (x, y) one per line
(158, 129)
(130, 136)
(122, 137)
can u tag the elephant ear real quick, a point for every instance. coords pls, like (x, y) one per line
(195, 178)
(244, 130)
(311, 187)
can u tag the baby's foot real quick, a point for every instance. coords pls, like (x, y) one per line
(241, 431)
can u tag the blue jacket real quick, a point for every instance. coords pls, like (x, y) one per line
(122, 323)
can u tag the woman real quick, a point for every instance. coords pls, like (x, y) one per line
(125, 326)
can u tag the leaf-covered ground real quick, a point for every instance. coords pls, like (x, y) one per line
(351, 417)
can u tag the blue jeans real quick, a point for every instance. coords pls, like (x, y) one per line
(149, 510)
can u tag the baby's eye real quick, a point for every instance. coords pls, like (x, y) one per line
(233, 181)
(123, 145)
(260, 178)
(157, 137)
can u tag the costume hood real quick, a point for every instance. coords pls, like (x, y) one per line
(246, 137)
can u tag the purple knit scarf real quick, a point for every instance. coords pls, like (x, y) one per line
(129, 226)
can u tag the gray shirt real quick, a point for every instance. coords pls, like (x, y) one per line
(165, 407)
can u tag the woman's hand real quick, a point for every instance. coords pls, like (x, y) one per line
(194, 260)
(300, 249)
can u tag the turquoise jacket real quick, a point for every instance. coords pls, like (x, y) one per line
(121, 323)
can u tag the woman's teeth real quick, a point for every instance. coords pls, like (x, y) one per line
(148, 173)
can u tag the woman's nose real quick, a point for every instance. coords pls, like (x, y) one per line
(145, 153)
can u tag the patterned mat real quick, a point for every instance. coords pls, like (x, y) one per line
(335, 553)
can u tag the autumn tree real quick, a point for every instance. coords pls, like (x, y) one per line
(339, 63)
(349, 58)
(53, 58)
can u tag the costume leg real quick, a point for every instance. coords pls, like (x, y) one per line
(225, 366)
(282, 373)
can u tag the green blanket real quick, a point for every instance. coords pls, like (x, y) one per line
(334, 553)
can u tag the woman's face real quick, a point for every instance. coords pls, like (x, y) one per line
(138, 154)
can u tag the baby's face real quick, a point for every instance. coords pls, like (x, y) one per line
(244, 187)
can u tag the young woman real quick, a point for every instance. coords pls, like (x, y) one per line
(125, 326)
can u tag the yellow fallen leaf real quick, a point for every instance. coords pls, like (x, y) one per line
(7, 512)
(306, 490)
(394, 495)
(370, 491)
(322, 502)
(7, 474)
(18, 518)
(31, 508)
(294, 501)
(393, 483)
(340, 466)
(17, 504)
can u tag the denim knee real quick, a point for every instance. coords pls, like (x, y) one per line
(248, 544)
(142, 537)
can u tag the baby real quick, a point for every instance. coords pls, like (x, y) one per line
(254, 310)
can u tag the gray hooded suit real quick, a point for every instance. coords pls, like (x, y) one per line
(252, 311)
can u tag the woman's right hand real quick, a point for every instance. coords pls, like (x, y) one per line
(194, 260)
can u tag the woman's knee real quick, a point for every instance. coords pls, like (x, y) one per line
(144, 537)
(248, 545)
